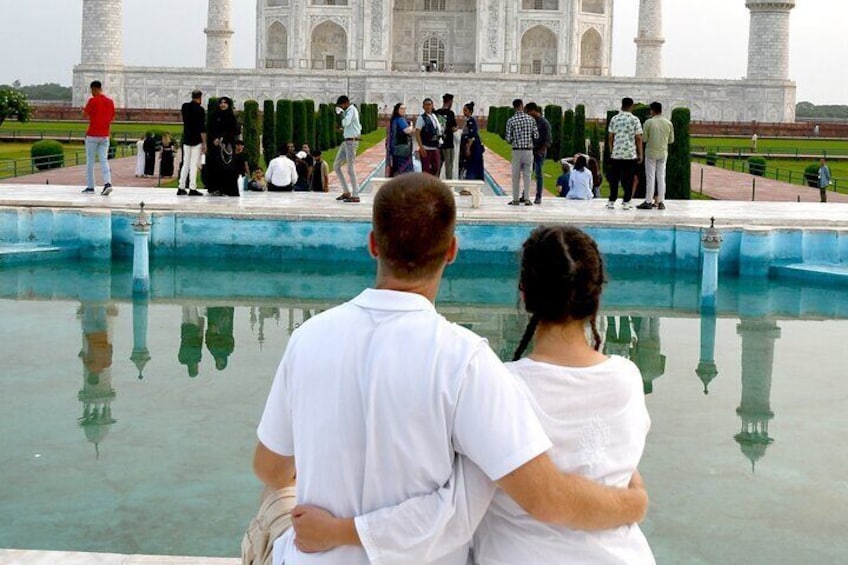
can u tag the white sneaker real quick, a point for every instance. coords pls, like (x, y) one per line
(626, 206)
(610, 204)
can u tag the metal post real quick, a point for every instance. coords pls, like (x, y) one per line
(753, 189)
(702, 180)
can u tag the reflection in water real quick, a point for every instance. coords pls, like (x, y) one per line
(97, 393)
(758, 337)
(619, 338)
(707, 369)
(140, 354)
(219, 334)
(191, 340)
(647, 352)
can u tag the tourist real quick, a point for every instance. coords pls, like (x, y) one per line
(166, 157)
(241, 169)
(223, 132)
(139, 157)
(580, 181)
(540, 148)
(562, 180)
(281, 174)
(598, 179)
(754, 139)
(625, 141)
(257, 182)
(824, 179)
(309, 160)
(193, 143)
(522, 133)
(448, 117)
(302, 168)
(658, 135)
(351, 128)
(100, 111)
(149, 148)
(319, 178)
(472, 148)
(399, 142)
(428, 134)
(411, 391)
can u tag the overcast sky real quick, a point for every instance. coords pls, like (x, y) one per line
(704, 39)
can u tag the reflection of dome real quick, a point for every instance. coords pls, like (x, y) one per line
(753, 445)
(140, 357)
(706, 372)
(95, 423)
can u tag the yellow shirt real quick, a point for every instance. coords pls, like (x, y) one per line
(658, 134)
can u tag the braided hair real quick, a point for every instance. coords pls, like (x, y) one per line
(562, 278)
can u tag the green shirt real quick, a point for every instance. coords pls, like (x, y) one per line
(659, 133)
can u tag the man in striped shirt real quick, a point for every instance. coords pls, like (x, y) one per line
(521, 133)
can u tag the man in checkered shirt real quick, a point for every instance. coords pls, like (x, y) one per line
(521, 132)
(625, 139)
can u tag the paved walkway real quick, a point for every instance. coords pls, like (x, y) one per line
(718, 183)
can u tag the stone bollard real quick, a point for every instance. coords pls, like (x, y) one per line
(711, 243)
(141, 260)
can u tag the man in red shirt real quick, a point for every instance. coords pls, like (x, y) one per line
(100, 111)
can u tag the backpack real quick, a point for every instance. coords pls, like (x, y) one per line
(429, 134)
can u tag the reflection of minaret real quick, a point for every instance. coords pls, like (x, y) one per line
(619, 341)
(707, 369)
(140, 354)
(758, 337)
(97, 393)
(647, 352)
(267, 312)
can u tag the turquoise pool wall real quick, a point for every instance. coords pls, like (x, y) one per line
(750, 252)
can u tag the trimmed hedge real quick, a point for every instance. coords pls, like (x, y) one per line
(48, 154)
(310, 123)
(269, 138)
(250, 133)
(299, 131)
(711, 158)
(679, 165)
(579, 129)
(757, 166)
(285, 124)
(811, 175)
(567, 143)
(605, 166)
(553, 113)
(491, 122)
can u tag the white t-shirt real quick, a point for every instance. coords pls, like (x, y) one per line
(580, 185)
(374, 398)
(597, 420)
(281, 171)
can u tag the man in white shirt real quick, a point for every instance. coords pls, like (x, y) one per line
(351, 129)
(405, 392)
(281, 174)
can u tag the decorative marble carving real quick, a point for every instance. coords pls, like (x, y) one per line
(376, 27)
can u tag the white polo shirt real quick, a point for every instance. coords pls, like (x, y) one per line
(374, 398)
(281, 171)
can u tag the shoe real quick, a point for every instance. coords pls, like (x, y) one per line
(522, 200)
(344, 196)
(181, 192)
(610, 204)
(528, 203)
(661, 206)
(351, 199)
(538, 202)
(88, 190)
(626, 206)
(195, 193)
(514, 202)
(645, 206)
(215, 193)
(107, 189)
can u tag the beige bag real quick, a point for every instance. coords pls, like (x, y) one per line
(273, 518)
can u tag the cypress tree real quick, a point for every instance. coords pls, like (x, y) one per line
(310, 123)
(567, 143)
(250, 132)
(299, 134)
(269, 139)
(554, 115)
(679, 165)
(607, 148)
(491, 122)
(285, 122)
(579, 129)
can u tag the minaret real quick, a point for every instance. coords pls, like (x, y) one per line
(768, 39)
(102, 33)
(649, 40)
(219, 50)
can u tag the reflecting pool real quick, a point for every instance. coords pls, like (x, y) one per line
(128, 426)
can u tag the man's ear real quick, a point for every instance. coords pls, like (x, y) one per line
(453, 250)
(372, 245)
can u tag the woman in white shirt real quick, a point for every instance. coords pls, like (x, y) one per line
(580, 181)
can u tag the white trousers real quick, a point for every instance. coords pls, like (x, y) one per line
(191, 162)
(655, 174)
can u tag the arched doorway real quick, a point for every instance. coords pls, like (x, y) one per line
(591, 53)
(329, 47)
(433, 54)
(277, 47)
(539, 51)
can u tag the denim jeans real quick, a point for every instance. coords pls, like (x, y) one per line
(347, 155)
(538, 163)
(97, 147)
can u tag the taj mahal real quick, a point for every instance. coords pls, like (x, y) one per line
(489, 51)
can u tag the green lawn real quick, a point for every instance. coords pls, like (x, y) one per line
(76, 129)
(765, 145)
(789, 170)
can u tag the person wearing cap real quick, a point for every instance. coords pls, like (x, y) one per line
(448, 128)
(352, 130)
(562, 180)
(302, 168)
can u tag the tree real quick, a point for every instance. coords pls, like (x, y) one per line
(567, 144)
(580, 128)
(679, 166)
(13, 104)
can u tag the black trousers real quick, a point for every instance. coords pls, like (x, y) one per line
(622, 171)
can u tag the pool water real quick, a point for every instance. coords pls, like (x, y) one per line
(129, 426)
